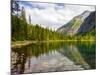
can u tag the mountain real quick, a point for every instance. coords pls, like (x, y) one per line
(79, 24)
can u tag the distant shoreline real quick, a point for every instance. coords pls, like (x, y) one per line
(18, 44)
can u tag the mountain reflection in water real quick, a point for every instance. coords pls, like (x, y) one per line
(53, 57)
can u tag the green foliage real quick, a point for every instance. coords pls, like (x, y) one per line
(90, 35)
(19, 28)
(23, 31)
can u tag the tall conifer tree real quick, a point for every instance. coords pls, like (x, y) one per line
(23, 15)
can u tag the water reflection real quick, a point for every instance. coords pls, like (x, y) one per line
(48, 57)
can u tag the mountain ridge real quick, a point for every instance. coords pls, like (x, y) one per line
(81, 23)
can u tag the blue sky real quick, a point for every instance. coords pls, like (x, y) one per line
(52, 15)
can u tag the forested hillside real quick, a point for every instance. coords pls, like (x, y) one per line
(21, 31)
(24, 31)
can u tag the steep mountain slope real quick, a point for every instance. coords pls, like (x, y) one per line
(88, 24)
(81, 23)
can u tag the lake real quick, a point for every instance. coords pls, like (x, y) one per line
(53, 57)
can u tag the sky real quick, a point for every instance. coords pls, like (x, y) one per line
(52, 15)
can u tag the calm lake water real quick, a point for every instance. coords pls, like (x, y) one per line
(53, 57)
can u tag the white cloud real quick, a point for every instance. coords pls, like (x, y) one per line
(54, 15)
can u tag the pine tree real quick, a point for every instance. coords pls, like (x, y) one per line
(23, 15)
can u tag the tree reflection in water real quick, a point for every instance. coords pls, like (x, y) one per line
(81, 53)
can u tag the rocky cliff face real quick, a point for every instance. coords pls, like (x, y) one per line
(88, 24)
(81, 23)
